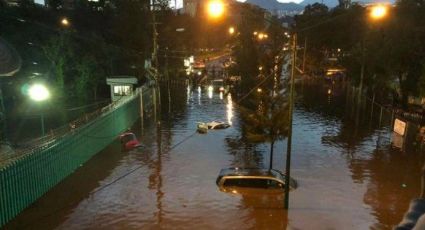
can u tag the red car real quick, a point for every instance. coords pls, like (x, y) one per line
(129, 141)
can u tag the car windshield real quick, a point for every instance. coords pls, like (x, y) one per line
(277, 175)
(263, 183)
(128, 137)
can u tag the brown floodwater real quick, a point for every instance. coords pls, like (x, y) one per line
(349, 176)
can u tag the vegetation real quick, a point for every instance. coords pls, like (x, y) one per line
(392, 49)
(103, 38)
(268, 121)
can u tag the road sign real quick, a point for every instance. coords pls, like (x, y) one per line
(399, 127)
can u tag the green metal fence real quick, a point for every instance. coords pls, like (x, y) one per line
(26, 178)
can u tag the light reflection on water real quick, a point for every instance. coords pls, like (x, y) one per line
(229, 109)
(345, 182)
(210, 92)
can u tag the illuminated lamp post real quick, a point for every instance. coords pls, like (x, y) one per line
(215, 9)
(65, 22)
(231, 30)
(376, 13)
(39, 93)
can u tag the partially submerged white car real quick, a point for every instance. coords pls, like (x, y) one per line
(217, 125)
(204, 126)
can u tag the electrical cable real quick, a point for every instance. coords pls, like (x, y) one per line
(138, 167)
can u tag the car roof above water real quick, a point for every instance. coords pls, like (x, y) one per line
(250, 172)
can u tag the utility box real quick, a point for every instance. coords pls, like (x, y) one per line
(121, 86)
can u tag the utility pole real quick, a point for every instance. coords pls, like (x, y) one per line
(362, 69)
(154, 38)
(305, 51)
(167, 77)
(155, 55)
(291, 105)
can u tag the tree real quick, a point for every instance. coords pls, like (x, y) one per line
(58, 50)
(246, 51)
(86, 79)
(406, 46)
(267, 120)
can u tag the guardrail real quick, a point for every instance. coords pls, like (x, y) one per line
(34, 170)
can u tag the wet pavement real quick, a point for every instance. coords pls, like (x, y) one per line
(348, 177)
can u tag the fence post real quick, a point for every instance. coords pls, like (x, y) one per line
(6, 179)
(141, 104)
(154, 103)
(392, 118)
(371, 109)
(2, 198)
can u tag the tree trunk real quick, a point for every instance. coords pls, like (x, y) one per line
(403, 91)
(95, 93)
(271, 155)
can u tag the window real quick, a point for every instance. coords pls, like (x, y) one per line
(127, 138)
(246, 182)
(122, 90)
(272, 184)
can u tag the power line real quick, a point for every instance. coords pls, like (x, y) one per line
(141, 166)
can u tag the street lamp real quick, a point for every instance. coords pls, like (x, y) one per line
(65, 22)
(215, 8)
(376, 13)
(39, 93)
(261, 36)
(231, 30)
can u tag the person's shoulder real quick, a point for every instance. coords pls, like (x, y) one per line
(413, 215)
(420, 224)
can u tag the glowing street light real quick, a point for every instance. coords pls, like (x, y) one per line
(378, 11)
(215, 8)
(38, 93)
(231, 30)
(65, 22)
(261, 36)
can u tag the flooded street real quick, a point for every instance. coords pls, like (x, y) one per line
(348, 177)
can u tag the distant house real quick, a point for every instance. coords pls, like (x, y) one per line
(121, 86)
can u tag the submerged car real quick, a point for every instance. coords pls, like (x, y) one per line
(254, 178)
(217, 125)
(129, 141)
(202, 127)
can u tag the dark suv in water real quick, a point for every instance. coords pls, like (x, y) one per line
(256, 178)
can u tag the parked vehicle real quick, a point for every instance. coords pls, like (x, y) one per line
(202, 127)
(217, 125)
(129, 141)
(218, 85)
(256, 178)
